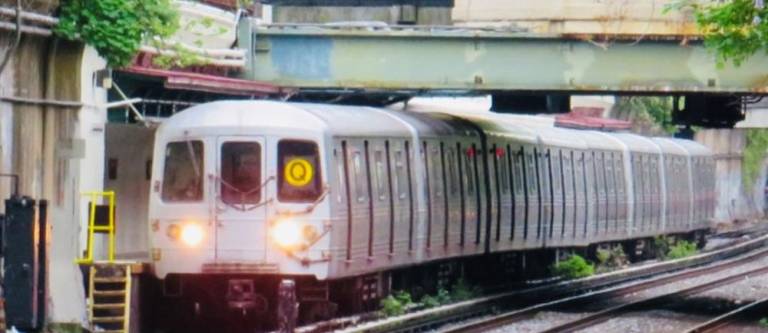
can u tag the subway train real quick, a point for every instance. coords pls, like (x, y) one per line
(350, 202)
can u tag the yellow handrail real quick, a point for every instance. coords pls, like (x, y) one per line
(92, 227)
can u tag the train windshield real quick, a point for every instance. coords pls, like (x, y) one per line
(299, 171)
(183, 174)
(241, 172)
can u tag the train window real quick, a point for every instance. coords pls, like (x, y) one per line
(470, 174)
(357, 165)
(241, 172)
(436, 173)
(517, 166)
(298, 175)
(503, 170)
(183, 174)
(378, 158)
(554, 161)
(453, 184)
(340, 174)
(532, 174)
(608, 162)
(402, 175)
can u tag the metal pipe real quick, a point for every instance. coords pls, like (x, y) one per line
(237, 53)
(123, 103)
(17, 40)
(37, 101)
(30, 16)
(28, 29)
(239, 63)
(130, 105)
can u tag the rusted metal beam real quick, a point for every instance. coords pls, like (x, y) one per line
(453, 59)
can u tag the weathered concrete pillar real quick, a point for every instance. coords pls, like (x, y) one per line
(58, 153)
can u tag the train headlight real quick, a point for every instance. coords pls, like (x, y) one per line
(291, 234)
(287, 233)
(192, 234)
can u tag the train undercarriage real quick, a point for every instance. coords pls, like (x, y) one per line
(256, 303)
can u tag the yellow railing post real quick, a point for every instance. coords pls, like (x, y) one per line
(93, 228)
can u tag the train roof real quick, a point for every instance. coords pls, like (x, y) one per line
(600, 140)
(239, 117)
(693, 147)
(637, 143)
(670, 146)
(242, 117)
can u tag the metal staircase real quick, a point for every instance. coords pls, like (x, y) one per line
(109, 297)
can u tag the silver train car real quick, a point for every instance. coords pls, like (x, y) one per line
(342, 199)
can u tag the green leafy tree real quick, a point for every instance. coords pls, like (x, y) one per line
(117, 28)
(734, 29)
(651, 111)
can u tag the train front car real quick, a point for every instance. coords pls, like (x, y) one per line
(236, 205)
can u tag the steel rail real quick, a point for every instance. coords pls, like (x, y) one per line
(728, 318)
(503, 301)
(646, 303)
(528, 312)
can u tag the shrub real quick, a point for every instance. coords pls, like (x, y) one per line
(662, 244)
(391, 306)
(461, 291)
(681, 250)
(573, 268)
(396, 304)
(609, 259)
(403, 297)
(442, 297)
(763, 322)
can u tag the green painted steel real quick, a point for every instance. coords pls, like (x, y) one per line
(449, 58)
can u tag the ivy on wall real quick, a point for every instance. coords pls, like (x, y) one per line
(754, 152)
(117, 28)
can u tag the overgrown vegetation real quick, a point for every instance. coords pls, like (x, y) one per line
(669, 248)
(573, 268)
(611, 259)
(396, 304)
(763, 322)
(400, 301)
(734, 30)
(442, 297)
(754, 153)
(117, 28)
(682, 249)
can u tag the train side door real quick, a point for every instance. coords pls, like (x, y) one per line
(241, 199)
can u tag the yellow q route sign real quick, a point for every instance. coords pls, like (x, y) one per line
(298, 172)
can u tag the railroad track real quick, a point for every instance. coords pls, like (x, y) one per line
(529, 312)
(756, 307)
(510, 302)
(650, 302)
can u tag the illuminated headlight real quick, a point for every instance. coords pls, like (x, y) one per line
(291, 234)
(191, 234)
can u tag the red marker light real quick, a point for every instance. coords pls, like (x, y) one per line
(499, 152)
(471, 151)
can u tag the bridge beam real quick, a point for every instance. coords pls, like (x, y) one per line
(449, 59)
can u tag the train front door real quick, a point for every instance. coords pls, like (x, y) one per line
(241, 200)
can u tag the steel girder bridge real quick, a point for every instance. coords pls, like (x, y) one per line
(380, 64)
